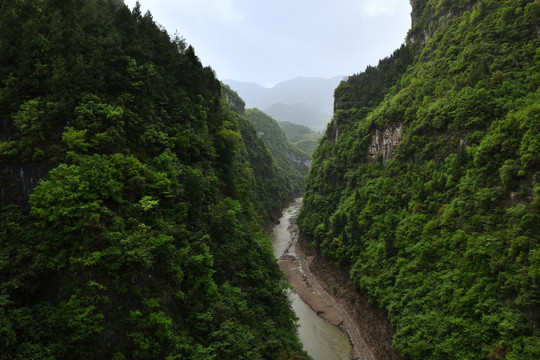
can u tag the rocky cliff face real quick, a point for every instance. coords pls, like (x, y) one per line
(18, 181)
(426, 17)
(299, 159)
(416, 34)
(384, 142)
(234, 100)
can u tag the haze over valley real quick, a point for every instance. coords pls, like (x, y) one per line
(302, 101)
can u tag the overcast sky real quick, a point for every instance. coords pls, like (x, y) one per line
(269, 41)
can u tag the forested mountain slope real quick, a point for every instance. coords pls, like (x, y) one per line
(278, 168)
(302, 136)
(426, 183)
(294, 162)
(143, 239)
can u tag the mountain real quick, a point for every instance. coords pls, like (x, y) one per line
(300, 114)
(304, 101)
(134, 194)
(292, 160)
(425, 187)
(279, 167)
(303, 137)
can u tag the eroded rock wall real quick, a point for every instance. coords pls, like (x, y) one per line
(384, 142)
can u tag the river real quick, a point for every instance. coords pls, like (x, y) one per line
(321, 340)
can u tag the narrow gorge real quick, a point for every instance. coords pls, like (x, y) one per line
(318, 332)
(137, 193)
(332, 300)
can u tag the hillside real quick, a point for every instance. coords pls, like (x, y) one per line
(279, 168)
(133, 196)
(300, 114)
(303, 101)
(302, 136)
(426, 184)
(294, 162)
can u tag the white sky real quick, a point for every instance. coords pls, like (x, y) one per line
(269, 41)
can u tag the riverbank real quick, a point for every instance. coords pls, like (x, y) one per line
(329, 292)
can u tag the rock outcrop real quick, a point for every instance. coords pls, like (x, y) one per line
(426, 19)
(234, 100)
(298, 159)
(384, 142)
(18, 181)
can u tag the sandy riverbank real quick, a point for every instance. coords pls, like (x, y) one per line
(328, 292)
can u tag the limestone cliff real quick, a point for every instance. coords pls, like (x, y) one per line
(233, 99)
(384, 142)
(428, 16)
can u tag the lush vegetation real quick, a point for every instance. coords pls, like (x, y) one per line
(293, 162)
(444, 235)
(144, 240)
(273, 184)
(301, 136)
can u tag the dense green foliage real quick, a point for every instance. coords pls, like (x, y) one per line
(145, 239)
(301, 136)
(444, 235)
(273, 184)
(292, 161)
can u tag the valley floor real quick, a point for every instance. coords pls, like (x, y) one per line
(329, 292)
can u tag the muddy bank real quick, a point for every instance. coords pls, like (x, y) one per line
(329, 292)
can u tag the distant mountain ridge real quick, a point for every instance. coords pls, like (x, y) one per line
(302, 100)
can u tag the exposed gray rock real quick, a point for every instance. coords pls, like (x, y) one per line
(385, 142)
(306, 161)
